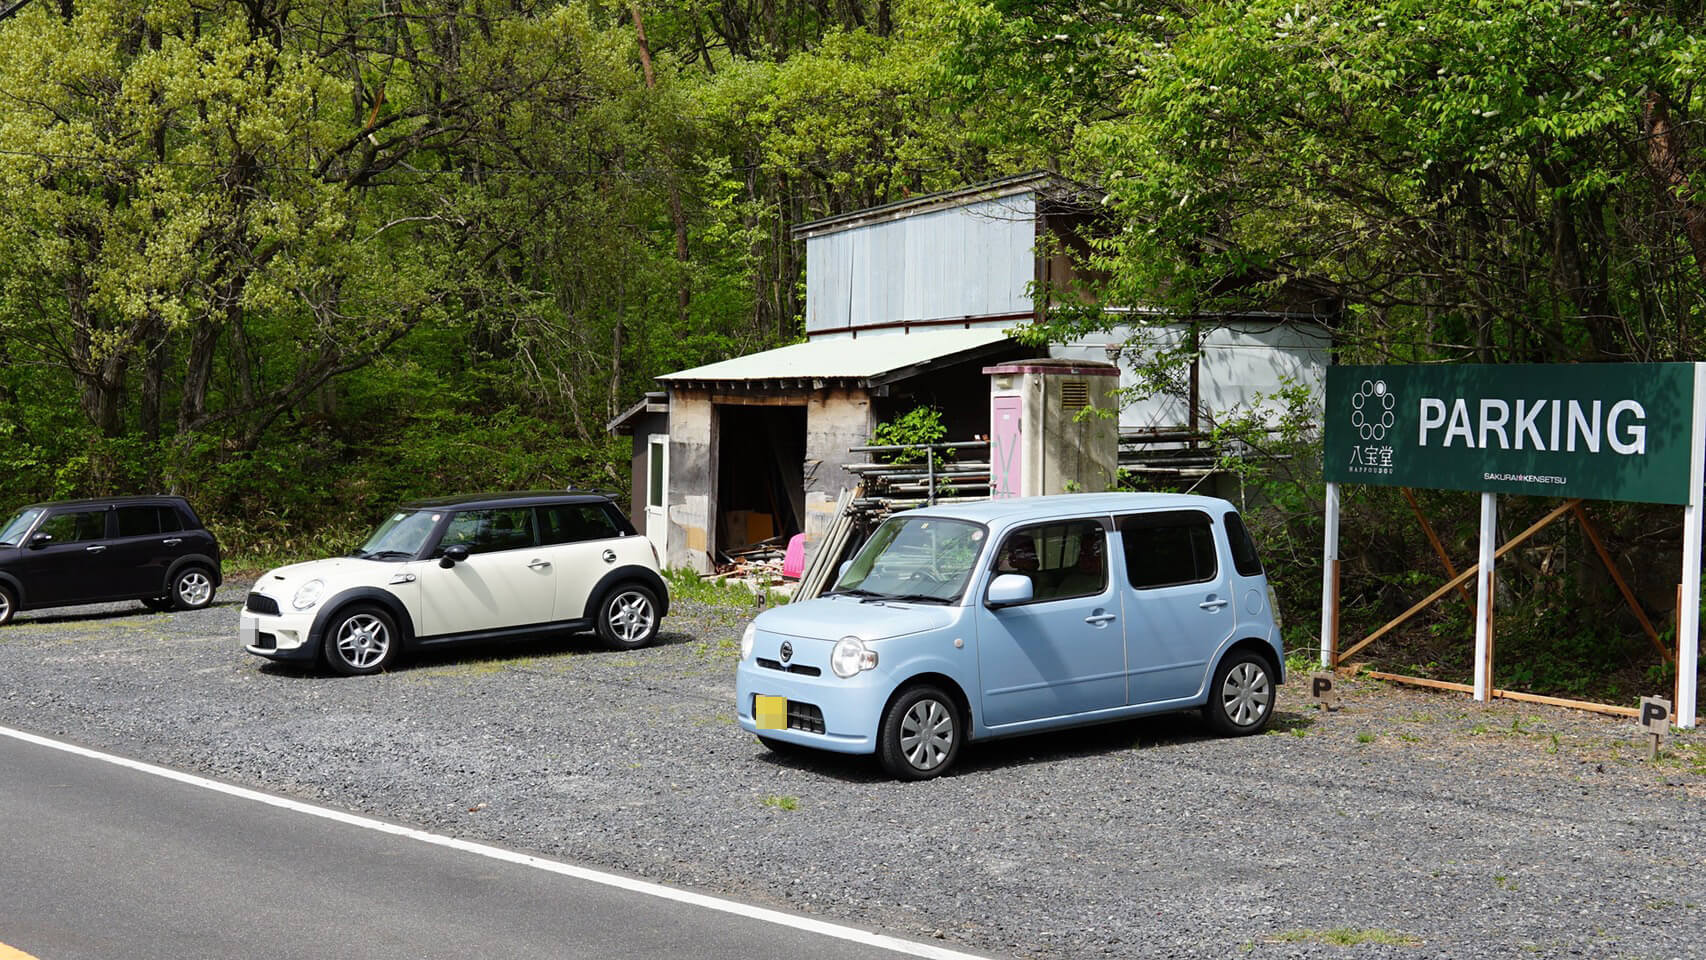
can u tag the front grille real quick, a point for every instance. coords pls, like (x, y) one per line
(804, 716)
(798, 668)
(266, 641)
(261, 603)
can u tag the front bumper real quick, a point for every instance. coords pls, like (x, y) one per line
(282, 636)
(825, 711)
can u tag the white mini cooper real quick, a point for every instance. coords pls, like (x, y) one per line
(486, 567)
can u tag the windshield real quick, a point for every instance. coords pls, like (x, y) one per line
(922, 559)
(13, 532)
(400, 537)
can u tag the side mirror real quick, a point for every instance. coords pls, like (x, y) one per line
(453, 556)
(1008, 589)
(40, 540)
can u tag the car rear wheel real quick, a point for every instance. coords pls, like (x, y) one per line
(192, 589)
(628, 617)
(1241, 700)
(8, 605)
(360, 640)
(920, 734)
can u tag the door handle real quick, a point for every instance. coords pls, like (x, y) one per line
(172, 541)
(1213, 604)
(1099, 619)
(95, 549)
(536, 564)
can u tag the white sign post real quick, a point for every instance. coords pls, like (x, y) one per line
(1688, 617)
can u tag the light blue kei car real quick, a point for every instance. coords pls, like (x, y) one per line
(1014, 616)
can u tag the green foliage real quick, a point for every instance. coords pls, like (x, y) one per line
(920, 425)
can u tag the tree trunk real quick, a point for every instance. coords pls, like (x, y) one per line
(1666, 153)
(684, 289)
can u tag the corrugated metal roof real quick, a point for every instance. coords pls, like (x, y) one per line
(869, 360)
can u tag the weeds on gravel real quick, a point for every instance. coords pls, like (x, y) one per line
(1348, 937)
(1365, 737)
(781, 802)
(684, 584)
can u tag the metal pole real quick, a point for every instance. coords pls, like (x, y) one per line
(1330, 581)
(1484, 597)
(1688, 615)
(930, 473)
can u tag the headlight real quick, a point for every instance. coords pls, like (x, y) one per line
(746, 639)
(308, 594)
(851, 656)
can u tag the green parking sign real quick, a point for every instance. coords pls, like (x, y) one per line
(1597, 431)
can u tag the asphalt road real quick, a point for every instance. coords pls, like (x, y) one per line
(102, 861)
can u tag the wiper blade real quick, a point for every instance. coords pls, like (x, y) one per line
(853, 592)
(916, 598)
(400, 554)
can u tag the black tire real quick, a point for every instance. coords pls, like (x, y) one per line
(157, 604)
(192, 588)
(628, 617)
(920, 734)
(1241, 700)
(360, 640)
(8, 604)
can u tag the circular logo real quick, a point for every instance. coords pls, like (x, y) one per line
(1371, 410)
(787, 651)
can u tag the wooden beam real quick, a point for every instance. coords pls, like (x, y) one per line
(1439, 548)
(1518, 696)
(1622, 585)
(1458, 580)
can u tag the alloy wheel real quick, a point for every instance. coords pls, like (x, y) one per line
(363, 641)
(631, 616)
(195, 589)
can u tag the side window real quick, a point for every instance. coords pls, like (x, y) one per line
(576, 523)
(1244, 557)
(170, 521)
(73, 527)
(1167, 549)
(138, 521)
(488, 531)
(1062, 560)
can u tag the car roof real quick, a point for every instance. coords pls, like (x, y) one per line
(1020, 509)
(510, 498)
(156, 498)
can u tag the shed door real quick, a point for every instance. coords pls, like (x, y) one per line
(657, 494)
(1006, 460)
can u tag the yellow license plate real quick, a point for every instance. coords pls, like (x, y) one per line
(771, 712)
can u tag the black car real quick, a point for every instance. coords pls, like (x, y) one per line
(152, 549)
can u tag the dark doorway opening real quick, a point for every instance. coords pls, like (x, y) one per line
(761, 492)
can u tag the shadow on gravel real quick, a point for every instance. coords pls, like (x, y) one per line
(491, 652)
(117, 612)
(1144, 733)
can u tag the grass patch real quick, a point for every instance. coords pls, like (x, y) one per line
(781, 802)
(1365, 737)
(1348, 937)
(684, 584)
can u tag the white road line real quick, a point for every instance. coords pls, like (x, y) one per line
(777, 917)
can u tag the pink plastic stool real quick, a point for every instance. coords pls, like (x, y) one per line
(794, 558)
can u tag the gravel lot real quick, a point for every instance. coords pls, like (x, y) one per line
(1414, 824)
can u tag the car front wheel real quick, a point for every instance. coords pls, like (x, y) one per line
(8, 604)
(360, 640)
(628, 617)
(192, 589)
(1241, 701)
(920, 734)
